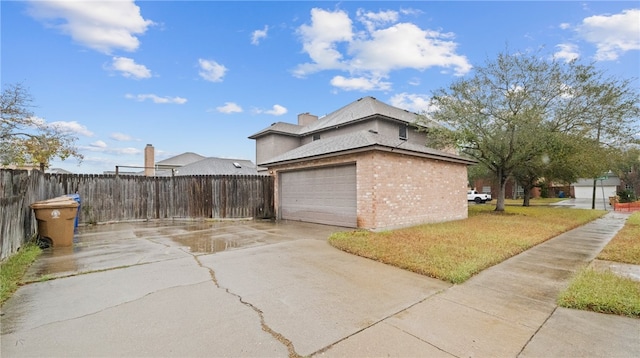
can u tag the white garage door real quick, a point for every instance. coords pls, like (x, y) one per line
(582, 192)
(322, 195)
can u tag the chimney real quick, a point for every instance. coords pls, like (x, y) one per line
(149, 161)
(304, 119)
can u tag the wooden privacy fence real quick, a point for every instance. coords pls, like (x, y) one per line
(107, 198)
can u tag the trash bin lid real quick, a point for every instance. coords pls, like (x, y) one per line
(59, 202)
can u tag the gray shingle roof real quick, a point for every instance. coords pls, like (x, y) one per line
(363, 108)
(612, 180)
(280, 127)
(360, 140)
(181, 160)
(219, 166)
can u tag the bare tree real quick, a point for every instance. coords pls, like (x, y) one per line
(25, 138)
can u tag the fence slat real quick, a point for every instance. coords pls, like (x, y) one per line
(107, 198)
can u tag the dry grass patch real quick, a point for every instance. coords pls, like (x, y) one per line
(603, 292)
(455, 251)
(625, 246)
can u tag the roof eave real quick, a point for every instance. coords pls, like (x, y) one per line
(443, 156)
(269, 131)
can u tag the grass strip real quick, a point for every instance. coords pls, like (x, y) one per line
(13, 269)
(625, 246)
(603, 292)
(455, 251)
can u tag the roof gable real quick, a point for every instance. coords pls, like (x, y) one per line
(361, 140)
(362, 109)
(180, 160)
(279, 127)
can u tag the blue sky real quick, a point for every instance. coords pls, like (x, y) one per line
(202, 76)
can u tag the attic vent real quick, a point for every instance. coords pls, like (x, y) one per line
(237, 165)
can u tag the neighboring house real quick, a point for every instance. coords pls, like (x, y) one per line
(195, 164)
(606, 186)
(364, 165)
(57, 171)
(218, 166)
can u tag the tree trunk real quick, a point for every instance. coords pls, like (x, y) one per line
(42, 167)
(501, 191)
(527, 195)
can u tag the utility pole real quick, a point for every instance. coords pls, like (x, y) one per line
(595, 181)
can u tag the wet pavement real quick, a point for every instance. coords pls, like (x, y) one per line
(262, 288)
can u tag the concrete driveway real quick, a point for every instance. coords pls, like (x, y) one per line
(248, 288)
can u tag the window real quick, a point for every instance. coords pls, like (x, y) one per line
(316, 136)
(237, 165)
(402, 132)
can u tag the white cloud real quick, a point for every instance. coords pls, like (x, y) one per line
(565, 25)
(333, 43)
(36, 121)
(405, 45)
(71, 127)
(128, 150)
(98, 144)
(319, 40)
(613, 35)
(373, 20)
(129, 68)
(101, 147)
(417, 103)
(415, 81)
(104, 26)
(121, 137)
(567, 52)
(156, 99)
(229, 107)
(359, 84)
(257, 35)
(276, 110)
(211, 70)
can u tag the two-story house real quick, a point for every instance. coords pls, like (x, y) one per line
(364, 165)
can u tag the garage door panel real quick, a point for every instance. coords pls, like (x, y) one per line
(322, 195)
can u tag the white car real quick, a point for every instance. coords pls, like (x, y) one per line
(478, 198)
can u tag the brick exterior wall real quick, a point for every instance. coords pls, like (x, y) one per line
(397, 190)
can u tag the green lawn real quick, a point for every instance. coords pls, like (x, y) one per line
(455, 251)
(13, 268)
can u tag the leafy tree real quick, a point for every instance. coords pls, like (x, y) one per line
(517, 111)
(627, 168)
(25, 138)
(564, 159)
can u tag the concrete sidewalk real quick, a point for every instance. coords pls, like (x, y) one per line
(509, 310)
(257, 289)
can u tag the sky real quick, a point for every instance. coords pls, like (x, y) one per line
(202, 76)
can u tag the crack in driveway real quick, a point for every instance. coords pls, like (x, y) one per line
(265, 327)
